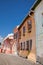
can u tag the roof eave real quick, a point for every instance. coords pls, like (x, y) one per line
(35, 4)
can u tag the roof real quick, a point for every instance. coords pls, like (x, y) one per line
(32, 8)
(8, 36)
(35, 4)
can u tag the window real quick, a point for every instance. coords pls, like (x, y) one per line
(15, 35)
(24, 45)
(19, 34)
(21, 46)
(24, 31)
(30, 44)
(29, 26)
(27, 45)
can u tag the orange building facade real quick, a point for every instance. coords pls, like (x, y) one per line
(26, 39)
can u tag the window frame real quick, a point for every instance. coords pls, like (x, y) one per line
(27, 45)
(15, 35)
(24, 30)
(29, 23)
(30, 44)
(21, 46)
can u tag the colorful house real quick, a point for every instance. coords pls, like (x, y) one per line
(38, 15)
(27, 37)
(8, 42)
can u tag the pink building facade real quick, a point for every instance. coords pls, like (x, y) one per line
(8, 44)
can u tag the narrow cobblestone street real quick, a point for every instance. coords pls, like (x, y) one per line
(14, 60)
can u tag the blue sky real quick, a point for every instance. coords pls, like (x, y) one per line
(12, 12)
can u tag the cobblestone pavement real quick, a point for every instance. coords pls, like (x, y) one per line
(14, 60)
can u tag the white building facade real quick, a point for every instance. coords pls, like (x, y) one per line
(38, 12)
(37, 8)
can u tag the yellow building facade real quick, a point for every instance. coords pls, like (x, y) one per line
(27, 38)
